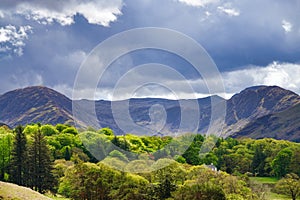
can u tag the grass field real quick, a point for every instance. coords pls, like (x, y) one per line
(270, 181)
(10, 191)
(265, 180)
(58, 197)
(274, 196)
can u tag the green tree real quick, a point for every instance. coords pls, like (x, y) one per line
(90, 181)
(289, 185)
(295, 161)
(67, 154)
(5, 152)
(197, 191)
(61, 127)
(70, 130)
(281, 162)
(258, 161)
(106, 131)
(48, 130)
(19, 157)
(39, 163)
(132, 187)
(167, 173)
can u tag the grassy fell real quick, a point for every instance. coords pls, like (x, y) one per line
(9, 191)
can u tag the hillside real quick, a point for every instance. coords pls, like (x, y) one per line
(139, 110)
(255, 102)
(254, 105)
(35, 104)
(9, 191)
(283, 125)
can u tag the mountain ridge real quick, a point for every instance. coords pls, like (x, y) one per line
(45, 105)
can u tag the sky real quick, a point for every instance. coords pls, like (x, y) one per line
(252, 42)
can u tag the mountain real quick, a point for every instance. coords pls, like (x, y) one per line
(255, 102)
(249, 113)
(148, 113)
(282, 125)
(35, 104)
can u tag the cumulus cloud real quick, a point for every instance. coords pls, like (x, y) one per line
(63, 11)
(229, 11)
(198, 3)
(285, 75)
(12, 39)
(235, 34)
(287, 26)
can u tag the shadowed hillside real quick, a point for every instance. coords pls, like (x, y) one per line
(254, 112)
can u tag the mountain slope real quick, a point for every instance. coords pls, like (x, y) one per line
(139, 111)
(35, 104)
(283, 125)
(256, 105)
(255, 102)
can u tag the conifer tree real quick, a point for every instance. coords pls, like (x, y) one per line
(40, 164)
(67, 154)
(19, 156)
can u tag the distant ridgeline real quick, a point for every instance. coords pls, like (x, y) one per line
(256, 112)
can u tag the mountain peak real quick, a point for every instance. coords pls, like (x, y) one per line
(257, 101)
(35, 89)
(45, 105)
(35, 104)
(264, 89)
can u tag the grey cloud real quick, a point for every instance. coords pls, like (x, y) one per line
(63, 11)
(254, 38)
(12, 39)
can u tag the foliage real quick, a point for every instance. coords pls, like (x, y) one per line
(48, 130)
(39, 164)
(281, 162)
(6, 138)
(151, 173)
(289, 185)
(19, 172)
(197, 191)
(106, 131)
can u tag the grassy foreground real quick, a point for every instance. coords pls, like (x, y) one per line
(270, 181)
(265, 180)
(275, 196)
(10, 191)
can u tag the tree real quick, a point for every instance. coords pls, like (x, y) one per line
(106, 131)
(295, 161)
(19, 157)
(289, 185)
(281, 162)
(198, 191)
(5, 151)
(90, 181)
(39, 163)
(258, 161)
(48, 130)
(70, 130)
(191, 155)
(67, 154)
(132, 187)
(167, 173)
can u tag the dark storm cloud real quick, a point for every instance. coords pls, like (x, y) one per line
(236, 34)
